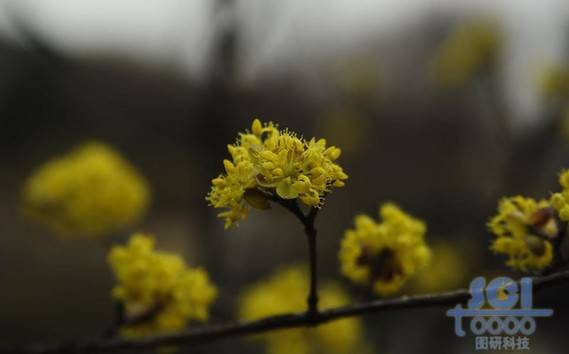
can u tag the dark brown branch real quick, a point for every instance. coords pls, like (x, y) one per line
(310, 232)
(307, 221)
(118, 320)
(294, 320)
(289, 204)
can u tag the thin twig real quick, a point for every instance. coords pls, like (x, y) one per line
(307, 221)
(210, 333)
(310, 231)
(118, 320)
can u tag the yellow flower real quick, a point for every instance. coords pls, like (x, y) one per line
(160, 294)
(91, 191)
(516, 226)
(269, 160)
(286, 291)
(447, 270)
(560, 201)
(384, 254)
(555, 83)
(470, 49)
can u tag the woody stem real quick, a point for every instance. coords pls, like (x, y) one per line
(307, 221)
(310, 231)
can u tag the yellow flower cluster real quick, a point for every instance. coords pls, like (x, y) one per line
(159, 292)
(270, 160)
(286, 291)
(469, 49)
(385, 254)
(516, 226)
(560, 201)
(91, 191)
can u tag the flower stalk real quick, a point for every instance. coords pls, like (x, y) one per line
(308, 221)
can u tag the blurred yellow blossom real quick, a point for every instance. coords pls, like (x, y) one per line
(346, 126)
(359, 78)
(555, 83)
(269, 160)
(384, 254)
(286, 291)
(160, 294)
(554, 88)
(91, 191)
(563, 124)
(522, 227)
(560, 201)
(447, 271)
(470, 49)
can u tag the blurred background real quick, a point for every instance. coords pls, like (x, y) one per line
(170, 83)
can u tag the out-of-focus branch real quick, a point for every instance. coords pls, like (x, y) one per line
(211, 333)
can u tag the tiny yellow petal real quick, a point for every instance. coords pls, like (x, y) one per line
(257, 127)
(285, 189)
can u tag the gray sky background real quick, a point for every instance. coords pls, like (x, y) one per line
(284, 32)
